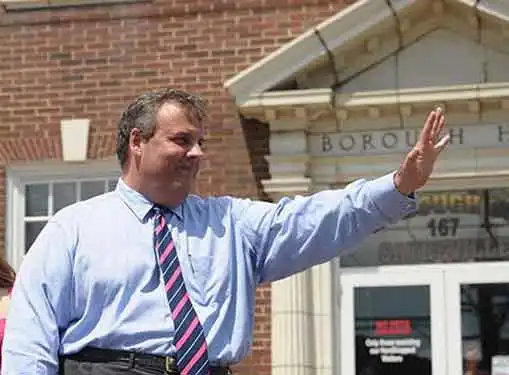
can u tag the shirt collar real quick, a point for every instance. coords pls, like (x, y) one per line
(139, 204)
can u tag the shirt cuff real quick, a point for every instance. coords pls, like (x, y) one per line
(389, 200)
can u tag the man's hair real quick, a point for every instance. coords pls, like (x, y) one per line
(142, 114)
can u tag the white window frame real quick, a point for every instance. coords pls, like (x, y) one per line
(18, 176)
(455, 277)
(402, 276)
(444, 280)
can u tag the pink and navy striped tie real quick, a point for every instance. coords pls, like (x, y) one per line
(189, 340)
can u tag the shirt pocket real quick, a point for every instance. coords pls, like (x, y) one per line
(212, 278)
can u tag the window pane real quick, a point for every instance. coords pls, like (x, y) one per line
(64, 194)
(32, 230)
(392, 330)
(90, 189)
(485, 327)
(447, 228)
(36, 200)
(497, 223)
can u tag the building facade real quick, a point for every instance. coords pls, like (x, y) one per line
(345, 100)
(305, 95)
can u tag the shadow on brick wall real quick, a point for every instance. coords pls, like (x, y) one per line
(256, 134)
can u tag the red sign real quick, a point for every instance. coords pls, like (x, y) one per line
(393, 327)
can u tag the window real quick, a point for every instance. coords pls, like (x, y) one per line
(34, 195)
(449, 227)
(42, 200)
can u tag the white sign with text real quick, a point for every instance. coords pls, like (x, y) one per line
(400, 140)
(500, 365)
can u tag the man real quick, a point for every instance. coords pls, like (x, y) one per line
(151, 280)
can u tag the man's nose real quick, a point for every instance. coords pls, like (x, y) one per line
(195, 151)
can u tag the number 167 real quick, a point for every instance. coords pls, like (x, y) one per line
(443, 227)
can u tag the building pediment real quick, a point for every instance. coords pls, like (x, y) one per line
(441, 57)
(386, 47)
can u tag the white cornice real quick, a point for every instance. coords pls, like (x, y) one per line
(424, 95)
(312, 98)
(290, 98)
(495, 8)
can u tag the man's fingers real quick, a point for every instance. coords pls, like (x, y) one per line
(428, 128)
(442, 143)
(438, 124)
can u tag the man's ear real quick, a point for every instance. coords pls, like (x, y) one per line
(135, 141)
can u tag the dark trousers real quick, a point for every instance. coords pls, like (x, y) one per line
(73, 367)
(97, 361)
(80, 365)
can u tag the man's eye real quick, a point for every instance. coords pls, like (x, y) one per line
(183, 141)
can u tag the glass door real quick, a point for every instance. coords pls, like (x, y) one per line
(478, 342)
(392, 321)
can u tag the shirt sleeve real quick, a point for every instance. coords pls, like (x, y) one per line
(295, 234)
(40, 305)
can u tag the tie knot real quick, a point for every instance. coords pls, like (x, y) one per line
(160, 210)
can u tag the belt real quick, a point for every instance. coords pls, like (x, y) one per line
(166, 365)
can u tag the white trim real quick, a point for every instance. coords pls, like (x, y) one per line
(393, 276)
(485, 273)
(313, 97)
(20, 175)
(425, 95)
(309, 97)
(474, 180)
(495, 8)
(58, 170)
(13, 224)
(443, 181)
(444, 280)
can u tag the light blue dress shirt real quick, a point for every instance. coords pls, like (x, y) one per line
(91, 277)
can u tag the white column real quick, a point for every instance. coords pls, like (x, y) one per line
(302, 329)
(302, 305)
(288, 159)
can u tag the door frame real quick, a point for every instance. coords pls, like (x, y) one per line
(392, 276)
(454, 277)
(444, 281)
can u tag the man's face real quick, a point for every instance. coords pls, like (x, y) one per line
(169, 161)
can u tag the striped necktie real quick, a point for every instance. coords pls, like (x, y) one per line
(189, 340)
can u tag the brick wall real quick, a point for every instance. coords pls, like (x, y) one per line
(90, 62)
